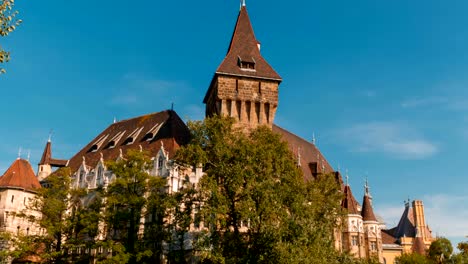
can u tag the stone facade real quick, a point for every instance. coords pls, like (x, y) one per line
(251, 102)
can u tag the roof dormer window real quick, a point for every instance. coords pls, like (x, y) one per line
(114, 140)
(132, 137)
(98, 143)
(152, 132)
(246, 64)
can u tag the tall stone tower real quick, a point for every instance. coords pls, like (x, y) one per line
(244, 86)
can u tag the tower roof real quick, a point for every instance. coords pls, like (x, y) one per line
(349, 202)
(47, 154)
(367, 211)
(20, 175)
(245, 47)
(47, 157)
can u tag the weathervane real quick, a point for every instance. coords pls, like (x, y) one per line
(366, 186)
(347, 177)
(242, 3)
(50, 135)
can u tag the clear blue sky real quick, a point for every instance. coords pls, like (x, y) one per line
(382, 84)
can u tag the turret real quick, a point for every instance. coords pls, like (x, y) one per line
(47, 162)
(244, 86)
(373, 235)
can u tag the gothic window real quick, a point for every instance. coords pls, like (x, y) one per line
(354, 240)
(99, 176)
(81, 178)
(160, 162)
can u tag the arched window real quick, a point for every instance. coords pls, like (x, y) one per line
(160, 162)
(99, 176)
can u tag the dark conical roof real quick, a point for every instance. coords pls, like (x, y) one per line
(367, 210)
(244, 46)
(349, 202)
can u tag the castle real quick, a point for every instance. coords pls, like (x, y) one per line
(244, 87)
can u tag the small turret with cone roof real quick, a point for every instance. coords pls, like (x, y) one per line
(47, 162)
(367, 210)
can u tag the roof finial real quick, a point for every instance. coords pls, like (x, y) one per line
(172, 106)
(366, 187)
(29, 154)
(50, 135)
(19, 153)
(347, 177)
(115, 120)
(242, 3)
(313, 138)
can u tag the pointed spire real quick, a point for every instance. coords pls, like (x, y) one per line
(349, 202)
(244, 47)
(367, 210)
(47, 154)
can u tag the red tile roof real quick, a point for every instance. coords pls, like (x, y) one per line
(388, 238)
(20, 175)
(349, 202)
(311, 159)
(148, 132)
(244, 46)
(47, 157)
(367, 212)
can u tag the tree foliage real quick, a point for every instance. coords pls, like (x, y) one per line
(440, 250)
(256, 206)
(413, 258)
(8, 23)
(134, 195)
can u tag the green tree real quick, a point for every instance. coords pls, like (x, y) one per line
(256, 205)
(463, 247)
(440, 250)
(8, 23)
(462, 256)
(132, 195)
(413, 258)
